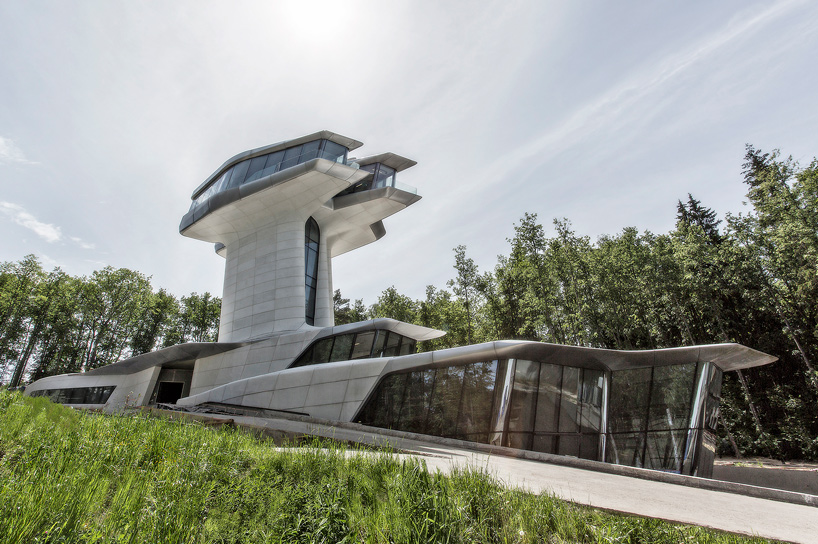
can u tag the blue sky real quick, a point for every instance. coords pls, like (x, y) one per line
(111, 113)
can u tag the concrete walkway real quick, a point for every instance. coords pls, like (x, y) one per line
(731, 512)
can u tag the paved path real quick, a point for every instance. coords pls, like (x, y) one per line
(668, 501)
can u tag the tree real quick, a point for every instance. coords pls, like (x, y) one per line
(464, 286)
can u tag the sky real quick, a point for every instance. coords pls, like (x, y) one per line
(604, 113)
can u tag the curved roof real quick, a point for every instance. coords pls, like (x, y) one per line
(349, 143)
(725, 356)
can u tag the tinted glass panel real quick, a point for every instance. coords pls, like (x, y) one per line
(363, 345)
(548, 399)
(342, 348)
(322, 350)
(569, 407)
(385, 177)
(523, 404)
(591, 401)
(273, 162)
(629, 400)
(392, 346)
(445, 402)
(240, 172)
(671, 396)
(407, 347)
(415, 407)
(377, 350)
(291, 157)
(254, 171)
(333, 151)
(476, 405)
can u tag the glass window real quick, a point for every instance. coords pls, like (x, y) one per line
(309, 151)
(476, 405)
(711, 410)
(625, 448)
(569, 406)
(312, 236)
(273, 163)
(548, 399)
(590, 399)
(322, 350)
(256, 168)
(305, 359)
(671, 396)
(334, 152)
(522, 405)
(341, 348)
(385, 177)
(628, 406)
(445, 402)
(291, 157)
(377, 349)
(415, 407)
(362, 348)
(240, 173)
(392, 346)
(407, 347)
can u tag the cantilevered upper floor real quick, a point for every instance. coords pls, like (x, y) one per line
(279, 213)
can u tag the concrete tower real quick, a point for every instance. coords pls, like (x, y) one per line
(278, 214)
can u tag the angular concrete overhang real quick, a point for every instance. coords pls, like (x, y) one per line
(415, 332)
(389, 159)
(354, 220)
(227, 215)
(164, 357)
(349, 143)
(725, 356)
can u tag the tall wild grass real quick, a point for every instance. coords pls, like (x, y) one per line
(69, 476)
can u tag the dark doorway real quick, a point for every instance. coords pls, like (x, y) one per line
(169, 392)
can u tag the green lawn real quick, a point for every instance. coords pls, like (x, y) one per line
(69, 476)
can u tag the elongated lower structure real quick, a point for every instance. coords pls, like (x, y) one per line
(278, 214)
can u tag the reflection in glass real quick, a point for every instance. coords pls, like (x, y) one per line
(363, 345)
(454, 402)
(341, 348)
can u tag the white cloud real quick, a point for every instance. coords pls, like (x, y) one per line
(10, 153)
(48, 232)
(82, 243)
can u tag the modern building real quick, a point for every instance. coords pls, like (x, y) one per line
(278, 214)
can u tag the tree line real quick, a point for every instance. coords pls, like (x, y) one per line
(55, 323)
(751, 278)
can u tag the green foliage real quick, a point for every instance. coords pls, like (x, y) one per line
(68, 476)
(755, 282)
(52, 323)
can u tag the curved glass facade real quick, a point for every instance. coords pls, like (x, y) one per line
(658, 417)
(361, 345)
(312, 240)
(258, 167)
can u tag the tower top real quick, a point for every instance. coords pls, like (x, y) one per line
(279, 213)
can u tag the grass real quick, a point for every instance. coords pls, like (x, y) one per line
(69, 476)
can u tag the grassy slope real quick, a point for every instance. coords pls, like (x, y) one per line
(75, 477)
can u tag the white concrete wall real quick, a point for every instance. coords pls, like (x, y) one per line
(331, 390)
(264, 282)
(262, 357)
